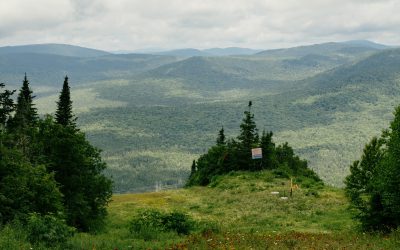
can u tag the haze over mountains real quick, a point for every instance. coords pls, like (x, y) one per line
(152, 114)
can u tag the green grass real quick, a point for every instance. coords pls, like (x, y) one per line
(247, 215)
(236, 211)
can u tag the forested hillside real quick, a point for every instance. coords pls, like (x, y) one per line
(153, 115)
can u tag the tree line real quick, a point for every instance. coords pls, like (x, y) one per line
(235, 154)
(47, 166)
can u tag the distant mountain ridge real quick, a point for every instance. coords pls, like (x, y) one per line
(331, 48)
(54, 49)
(190, 52)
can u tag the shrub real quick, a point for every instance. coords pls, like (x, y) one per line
(153, 221)
(12, 236)
(48, 229)
(178, 222)
(280, 173)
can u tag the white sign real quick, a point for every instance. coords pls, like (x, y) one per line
(256, 153)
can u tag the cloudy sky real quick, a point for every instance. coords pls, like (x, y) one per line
(168, 24)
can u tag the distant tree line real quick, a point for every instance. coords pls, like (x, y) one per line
(373, 185)
(235, 154)
(47, 167)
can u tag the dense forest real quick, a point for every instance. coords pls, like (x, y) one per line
(51, 178)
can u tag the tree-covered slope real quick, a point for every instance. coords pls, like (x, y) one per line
(337, 49)
(153, 115)
(46, 69)
(326, 121)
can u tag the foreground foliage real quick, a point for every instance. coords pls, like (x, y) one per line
(244, 215)
(50, 175)
(373, 186)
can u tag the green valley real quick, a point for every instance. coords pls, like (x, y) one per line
(153, 114)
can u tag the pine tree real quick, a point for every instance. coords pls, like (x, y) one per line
(248, 130)
(248, 138)
(78, 169)
(6, 105)
(25, 113)
(390, 183)
(193, 168)
(362, 186)
(221, 137)
(64, 115)
(268, 150)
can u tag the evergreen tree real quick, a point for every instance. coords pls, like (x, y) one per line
(390, 182)
(25, 113)
(268, 150)
(193, 168)
(25, 188)
(221, 137)
(78, 169)
(248, 136)
(362, 186)
(64, 115)
(6, 105)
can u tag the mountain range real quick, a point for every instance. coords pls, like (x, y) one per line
(153, 114)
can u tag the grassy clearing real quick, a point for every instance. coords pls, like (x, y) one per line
(237, 211)
(247, 215)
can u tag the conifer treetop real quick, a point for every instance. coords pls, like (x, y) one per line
(64, 115)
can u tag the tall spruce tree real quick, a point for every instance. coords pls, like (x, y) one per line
(221, 137)
(390, 183)
(64, 115)
(6, 105)
(268, 150)
(248, 136)
(362, 186)
(193, 168)
(25, 113)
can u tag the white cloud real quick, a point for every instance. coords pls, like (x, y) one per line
(135, 24)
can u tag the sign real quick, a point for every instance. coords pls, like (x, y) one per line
(256, 153)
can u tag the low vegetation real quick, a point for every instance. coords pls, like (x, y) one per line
(237, 210)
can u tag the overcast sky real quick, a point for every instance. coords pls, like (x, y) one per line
(168, 24)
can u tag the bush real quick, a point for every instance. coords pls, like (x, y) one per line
(48, 229)
(12, 236)
(154, 221)
(280, 173)
(147, 219)
(178, 222)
